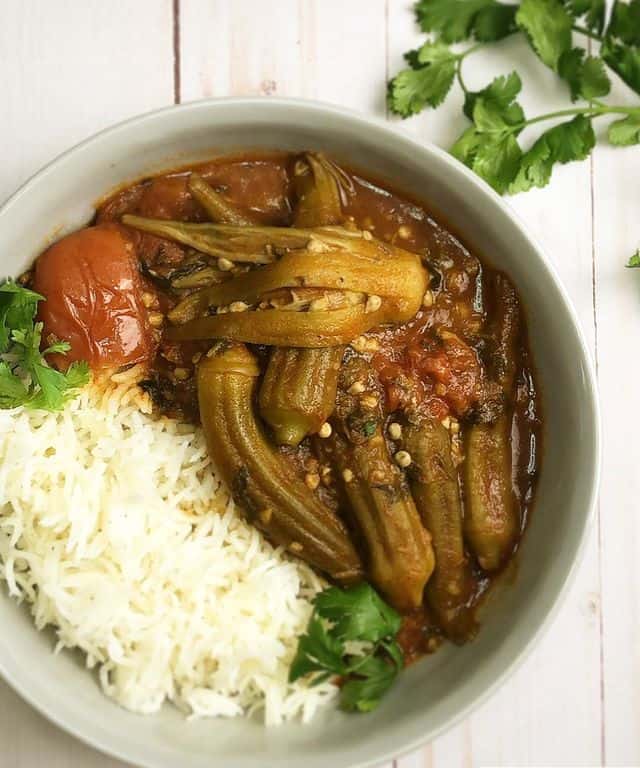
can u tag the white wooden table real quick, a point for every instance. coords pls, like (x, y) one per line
(69, 68)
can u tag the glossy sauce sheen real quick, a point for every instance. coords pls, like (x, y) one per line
(432, 363)
(93, 291)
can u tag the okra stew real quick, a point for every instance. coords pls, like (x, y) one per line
(363, 378)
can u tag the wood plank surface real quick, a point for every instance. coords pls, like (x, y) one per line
(70, 69)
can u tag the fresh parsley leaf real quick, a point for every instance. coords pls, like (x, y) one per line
(355, 615)
(592, 10)
(587, 77)
(450, 20)
(634, 261)
(318, 651)
(624, 133)
(490, 147)
(25, 376)
(548, 28)
(563, 143)
(501, 92)
(495, 22)
(426, 83)
(498, 162)
(621, 46)
(18, 307)
(624, 60)
(12, 391)
(358, 614)
(625, 22)
(363, 692)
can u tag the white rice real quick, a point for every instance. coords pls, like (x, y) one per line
(115, 530)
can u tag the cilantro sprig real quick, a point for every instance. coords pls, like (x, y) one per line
(351, 635)
(25, 376)
(491, 146)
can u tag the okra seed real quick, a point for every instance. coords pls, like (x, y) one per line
(404, 232)
(265, 516)
(156, 319)
(369, 401)
(441, 389)
(148, 299)
(312, 480)
(196, 358)
(446, 422)
(238, 306)
(367, 235)
(373, 303)
(325, 430)
(224, 265)
(377, 476)
(395, 430)
(296, 546)
(403, 459)
(432, 644)
(357, 388)
(347, 475)
(427, 299)
(181, 374)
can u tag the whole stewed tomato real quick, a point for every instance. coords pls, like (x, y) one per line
(93, 293)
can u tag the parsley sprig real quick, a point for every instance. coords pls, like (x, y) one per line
(351, 635)
(25, 376)
(491, 145)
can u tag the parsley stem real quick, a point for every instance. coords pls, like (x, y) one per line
(587, 112)
(460, 79)
(587, 32)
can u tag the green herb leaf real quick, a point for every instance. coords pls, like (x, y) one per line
(426, 83)
(548, 28)
(501, 93)
(318, 651)
(625, 22)
(587, 77)
(355, 615)
(12, 391)
(450, 20)
(498, 163)
(18, 307)
(358, 614)
(25, 377)
(592, 10)
(634, 261)
(363, 692)
(563, 143)
(626, 132)
(624, 60)
(495, 22)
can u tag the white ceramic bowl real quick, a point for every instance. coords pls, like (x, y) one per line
(434, 694)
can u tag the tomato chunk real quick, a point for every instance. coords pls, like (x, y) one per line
(93, 291)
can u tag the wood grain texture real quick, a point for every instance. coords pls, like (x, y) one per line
(66, 73)
(617, 295)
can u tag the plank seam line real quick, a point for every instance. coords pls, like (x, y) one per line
(176, 52)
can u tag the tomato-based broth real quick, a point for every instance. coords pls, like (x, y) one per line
(436, 411)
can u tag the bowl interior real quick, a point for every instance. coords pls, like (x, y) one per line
(435, 692)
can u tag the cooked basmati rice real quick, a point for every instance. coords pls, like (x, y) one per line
(115, 530)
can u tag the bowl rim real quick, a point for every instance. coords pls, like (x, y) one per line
(393, 132)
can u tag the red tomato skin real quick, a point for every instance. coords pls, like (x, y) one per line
(93, 291)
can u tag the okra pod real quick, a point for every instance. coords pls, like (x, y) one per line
(276, 328)
(433, 480)
(399, 556)
(317, 188)
(491, 520)
(260, 478)
(298, 392)
(219, 209)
